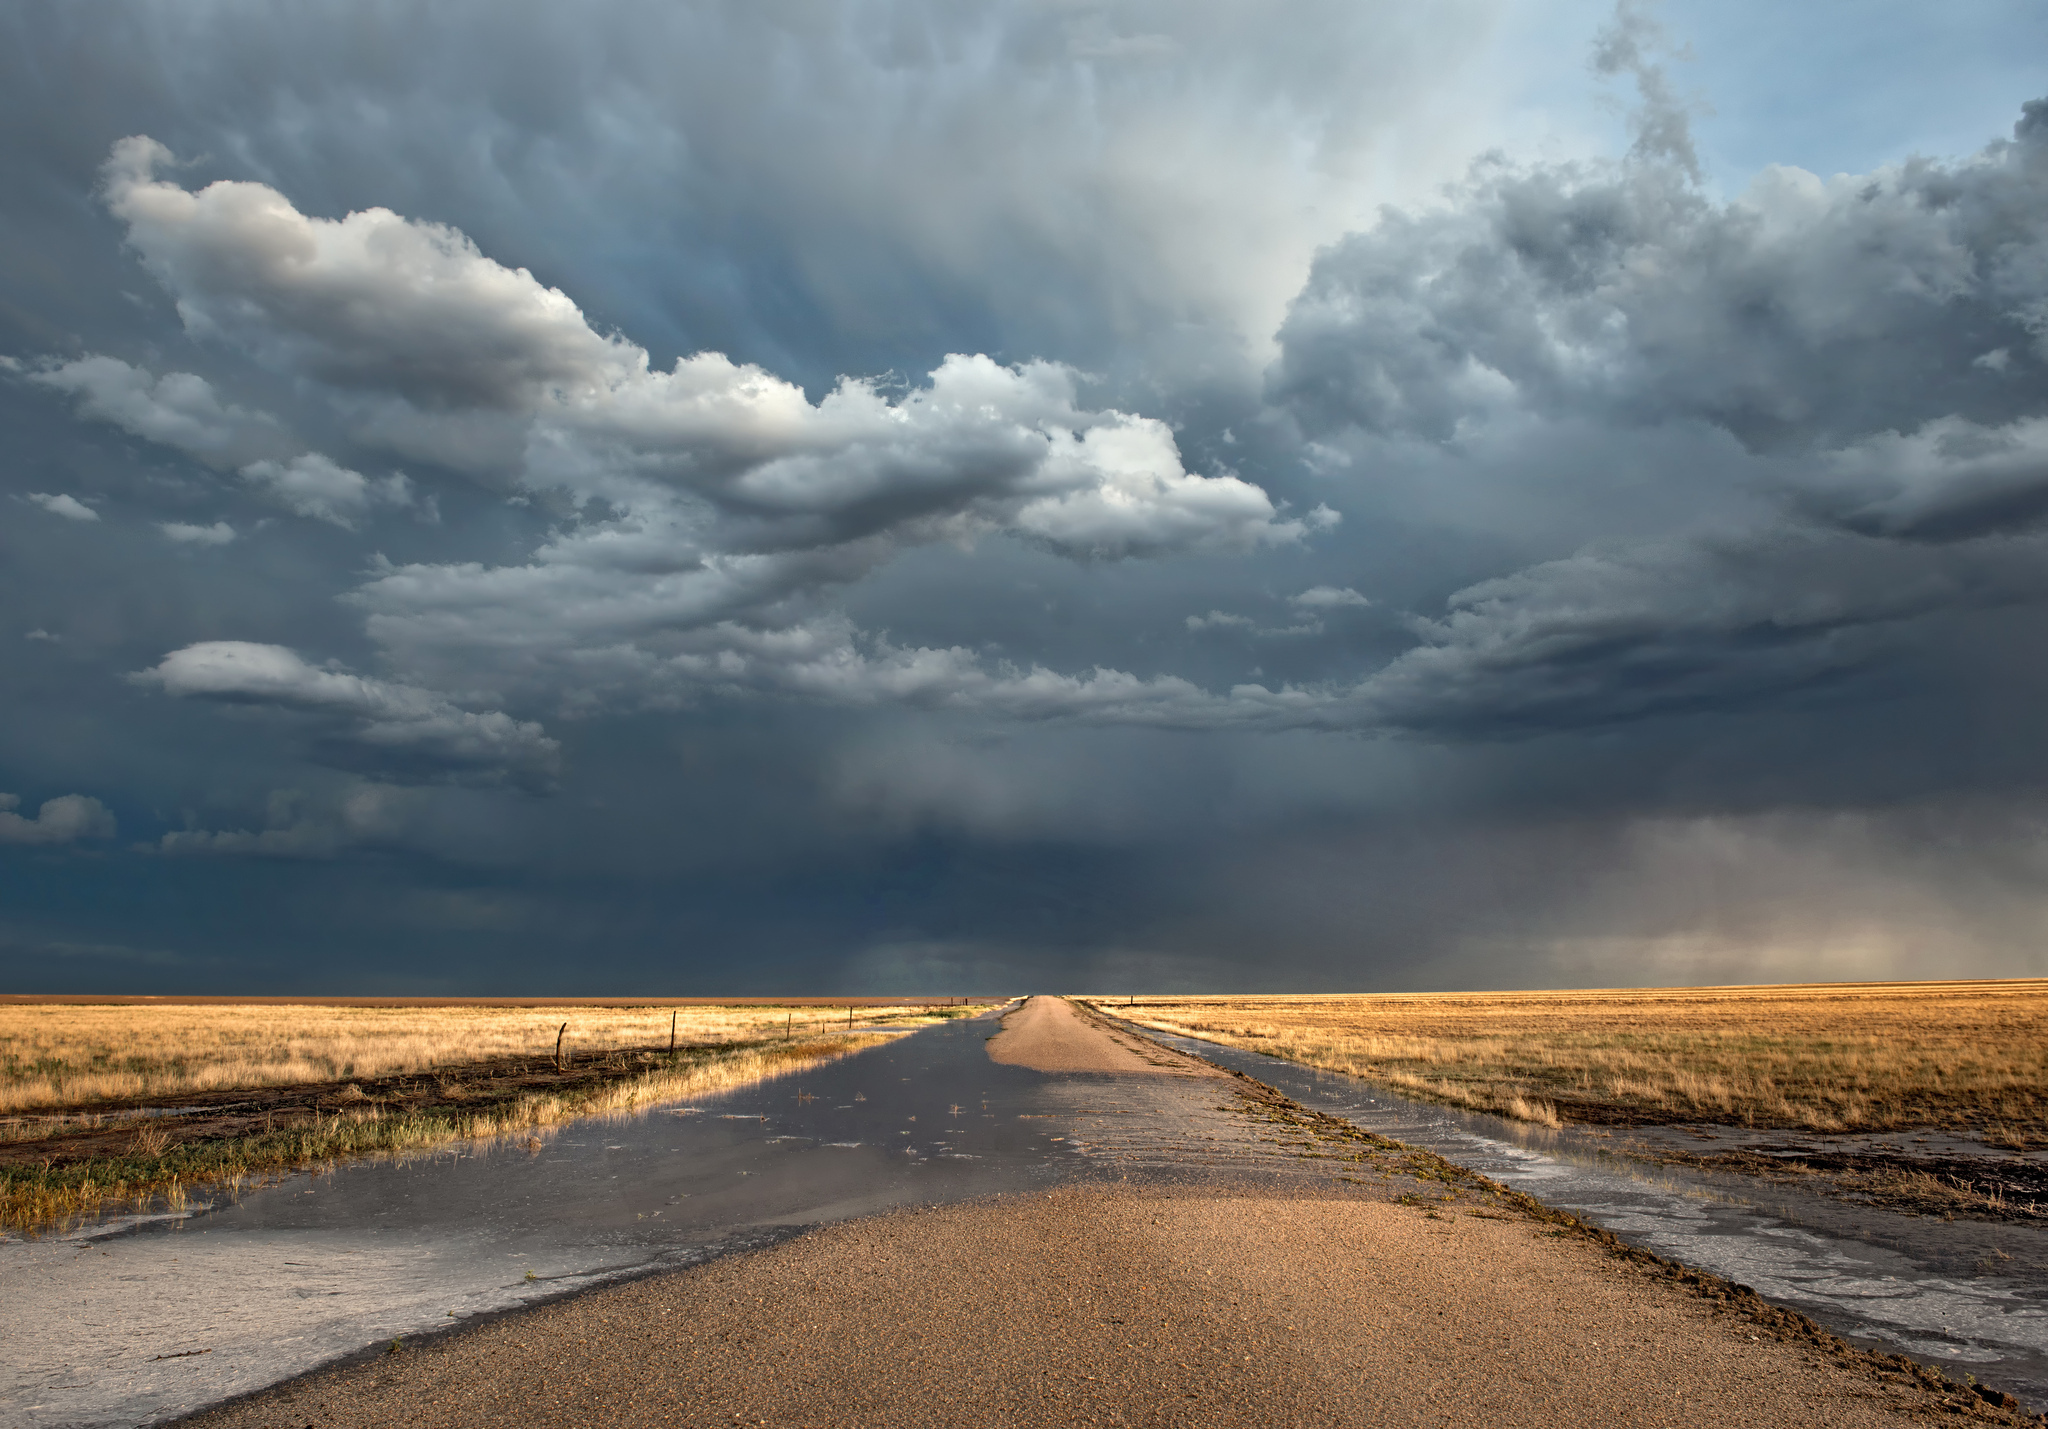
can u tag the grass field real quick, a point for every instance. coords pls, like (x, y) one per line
(275, 1086)
(1834, 1057)
(73, 1055)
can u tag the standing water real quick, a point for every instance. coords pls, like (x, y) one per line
(130, 1320)
(133, 1319)
(1971, 1296)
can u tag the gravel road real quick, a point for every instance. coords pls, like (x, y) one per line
(1234, 1297)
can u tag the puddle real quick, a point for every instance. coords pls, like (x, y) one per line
(132, 1320)
(1971, 1296)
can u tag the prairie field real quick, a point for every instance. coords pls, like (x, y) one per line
(76, 1054)
(263, 1088)
(1819, 1057)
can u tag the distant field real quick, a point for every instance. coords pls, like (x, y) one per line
(1823, 1057)
(75, 1053)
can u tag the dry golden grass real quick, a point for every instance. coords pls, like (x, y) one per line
(41, 1195)
(56, 1054)
(1824, 1057)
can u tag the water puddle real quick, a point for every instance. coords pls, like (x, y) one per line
(1971, 1296)
(135, 1319)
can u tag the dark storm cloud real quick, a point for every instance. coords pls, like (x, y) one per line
(443, 535)
(1877, 341)
(1805, 314)
(1950, 480)
(1078, 180)
(1609, 636)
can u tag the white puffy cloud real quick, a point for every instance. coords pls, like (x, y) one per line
(61, 820)
(1327, 597)
(178, 409)
(412, 313)
(370, 301)
(182, 411)
(62, 504)
(1225, 620)
(720, 503)
(187, 533)
(378, 726)
(313, 485)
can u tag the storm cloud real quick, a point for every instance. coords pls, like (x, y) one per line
(995, 493)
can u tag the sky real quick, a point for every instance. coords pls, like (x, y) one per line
(942, 496)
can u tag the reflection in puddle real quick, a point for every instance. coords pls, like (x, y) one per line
(1969, 1295)
(173, 1313)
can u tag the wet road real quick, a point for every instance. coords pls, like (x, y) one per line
(130, 1321)
(134, 1320)
(141, 1321)
(1971, 1296)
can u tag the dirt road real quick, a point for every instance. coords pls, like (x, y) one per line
(1275, 1292)
(1047, 1034)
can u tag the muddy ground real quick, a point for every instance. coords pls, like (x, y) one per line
(1989, 1188)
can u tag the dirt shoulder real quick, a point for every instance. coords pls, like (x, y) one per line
(1135, 1306)
(1981, 1188)
(1984, 1166)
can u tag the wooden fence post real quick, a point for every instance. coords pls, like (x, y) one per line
(672, 1033)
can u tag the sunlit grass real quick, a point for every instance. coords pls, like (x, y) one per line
(1835, 1057)
(75, 1066)
(55, 1054)
(153, 1169)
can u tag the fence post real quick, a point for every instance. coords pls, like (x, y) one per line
(672, 1033)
